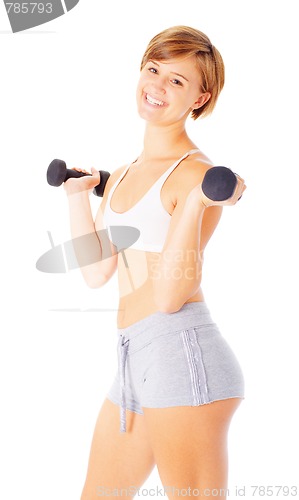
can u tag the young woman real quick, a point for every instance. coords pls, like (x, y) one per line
(178, 382)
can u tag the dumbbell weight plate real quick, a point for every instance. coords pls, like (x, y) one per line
(219, 183)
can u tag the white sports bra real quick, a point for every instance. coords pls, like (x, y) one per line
(148, 215)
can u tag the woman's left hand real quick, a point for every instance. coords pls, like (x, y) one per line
(197, 194)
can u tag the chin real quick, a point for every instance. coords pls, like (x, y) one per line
(147, 114)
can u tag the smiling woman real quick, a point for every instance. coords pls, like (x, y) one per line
(173, 86)
(178, 382)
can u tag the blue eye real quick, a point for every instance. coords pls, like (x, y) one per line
(152, 70)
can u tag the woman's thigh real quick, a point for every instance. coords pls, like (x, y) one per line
(117, 461)
(190, 447)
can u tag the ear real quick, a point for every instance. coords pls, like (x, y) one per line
(203, 98)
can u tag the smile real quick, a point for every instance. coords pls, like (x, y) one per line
(153, 101)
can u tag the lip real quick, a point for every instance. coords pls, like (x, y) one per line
(153, 101)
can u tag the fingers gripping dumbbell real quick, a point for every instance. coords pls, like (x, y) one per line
(57, 173)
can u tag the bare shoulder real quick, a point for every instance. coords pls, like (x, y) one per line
(191, 173)
(187, 175)
(195, 167)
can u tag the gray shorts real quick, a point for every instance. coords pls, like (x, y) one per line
(174, 359)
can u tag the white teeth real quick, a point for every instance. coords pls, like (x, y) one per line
(152, 100)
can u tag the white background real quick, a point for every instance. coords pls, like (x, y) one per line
(68, 91)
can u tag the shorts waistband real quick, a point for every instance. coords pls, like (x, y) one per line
(191, 314)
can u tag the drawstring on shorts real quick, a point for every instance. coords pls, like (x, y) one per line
(122, 357)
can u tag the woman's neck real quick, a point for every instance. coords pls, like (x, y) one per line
(161, 142)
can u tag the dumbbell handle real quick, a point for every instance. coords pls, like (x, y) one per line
(219, 183)
(58, 173)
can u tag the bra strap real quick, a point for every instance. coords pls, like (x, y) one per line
(192, 151)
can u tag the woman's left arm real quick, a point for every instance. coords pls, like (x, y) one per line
(178, 272)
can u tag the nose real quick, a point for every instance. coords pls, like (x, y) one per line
(158, 85)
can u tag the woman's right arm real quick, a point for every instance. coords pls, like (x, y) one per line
(95, 254)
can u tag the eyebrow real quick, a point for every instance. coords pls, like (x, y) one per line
(173, 72)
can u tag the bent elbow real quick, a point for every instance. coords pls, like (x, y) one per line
(167, 306)
(96, 275)
(172, 302)
(94, 282)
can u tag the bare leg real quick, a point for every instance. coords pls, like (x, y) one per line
(118, 461)
(190, 447)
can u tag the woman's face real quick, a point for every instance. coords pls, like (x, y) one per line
(167, 91)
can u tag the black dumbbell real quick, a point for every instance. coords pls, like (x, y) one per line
(219, 183)
(57, 173)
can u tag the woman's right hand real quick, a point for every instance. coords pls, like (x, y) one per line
(85, 183)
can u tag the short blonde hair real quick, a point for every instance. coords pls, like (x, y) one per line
(183, 41)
